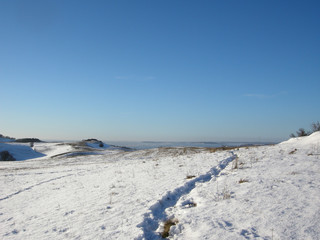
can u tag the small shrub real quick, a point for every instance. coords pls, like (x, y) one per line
(301, 132)
(315, 126)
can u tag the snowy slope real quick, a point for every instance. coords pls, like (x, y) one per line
(20, 151)
(23, 151)
(6, 139)
(304, 142)
(273, 193)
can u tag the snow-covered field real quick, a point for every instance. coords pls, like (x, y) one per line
(66, 191)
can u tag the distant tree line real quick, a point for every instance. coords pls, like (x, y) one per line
(28, 140)
(302, 132)
(2, 136)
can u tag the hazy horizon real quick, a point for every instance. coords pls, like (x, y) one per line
(243, 140)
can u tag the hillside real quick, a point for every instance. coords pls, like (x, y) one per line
(267, 192)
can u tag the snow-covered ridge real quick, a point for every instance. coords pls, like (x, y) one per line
(40, 150)
(266, 192)
(308, 141)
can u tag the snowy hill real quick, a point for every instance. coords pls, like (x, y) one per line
(268, 192)
(20, 151)
(23, 151)
(304, 142)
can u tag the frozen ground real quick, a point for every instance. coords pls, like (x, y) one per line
(76, 191)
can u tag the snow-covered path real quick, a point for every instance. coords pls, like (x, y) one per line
(93, 197)
(157, 214)
(273, 192)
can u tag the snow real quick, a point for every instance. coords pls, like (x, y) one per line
(267, 192)
(6, 139)
(313, 139)
(20, 151)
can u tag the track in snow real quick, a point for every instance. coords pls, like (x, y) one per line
(156, 215)
(32, 186)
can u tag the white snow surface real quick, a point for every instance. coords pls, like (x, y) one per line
(266, 192)
(20, 151)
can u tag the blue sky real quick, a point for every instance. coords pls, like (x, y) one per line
(159, 70)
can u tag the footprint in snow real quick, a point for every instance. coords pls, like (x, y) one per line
(226, 225)
(68, 213)
(249, 234)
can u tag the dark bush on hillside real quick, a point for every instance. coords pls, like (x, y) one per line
(301, 132)
(28, 140)
(91, 140)
(2, 136)
(6, 156)
(95, 141)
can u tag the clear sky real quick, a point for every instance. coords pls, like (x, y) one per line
(178, 70)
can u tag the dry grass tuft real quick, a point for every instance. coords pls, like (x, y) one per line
(212, 150)
(243, 180)
(235, 164)
(226, 194)
(190, 176)
(293, 151)
(167, 225)
(191, 204)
